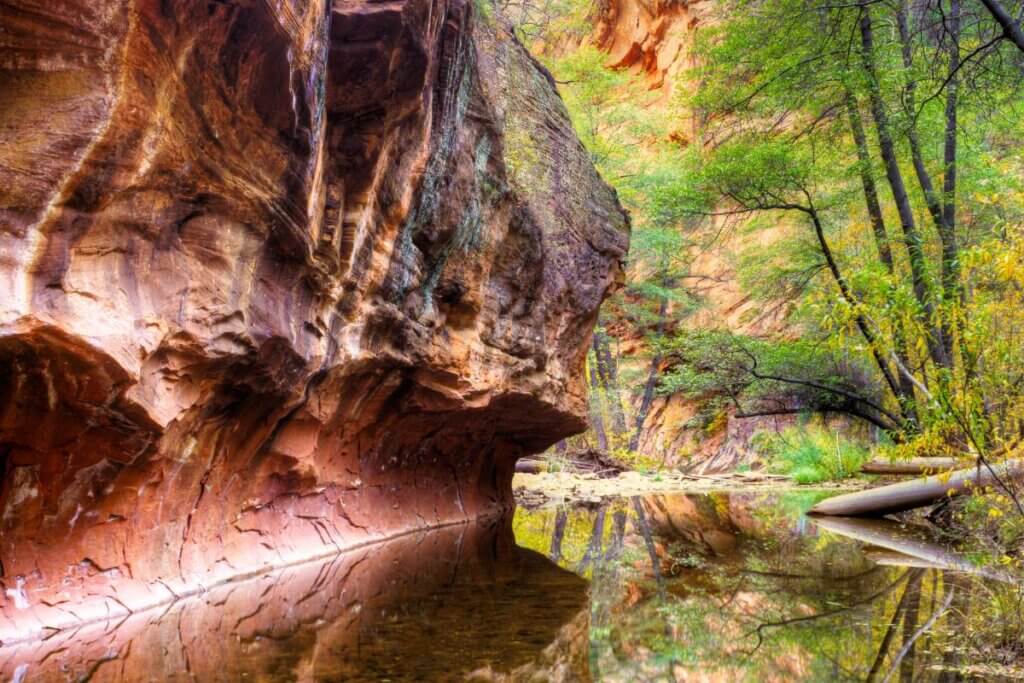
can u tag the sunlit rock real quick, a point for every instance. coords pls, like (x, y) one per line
(276, 279)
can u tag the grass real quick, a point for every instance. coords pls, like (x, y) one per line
(811, 454)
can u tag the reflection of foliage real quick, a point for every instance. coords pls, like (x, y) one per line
(714, 603)
(791, 506)
(988, 529)
(576, 538)
(776, 602)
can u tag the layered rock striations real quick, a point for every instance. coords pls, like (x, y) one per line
(276, 279)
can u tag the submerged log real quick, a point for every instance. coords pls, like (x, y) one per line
(912, 466)
(908, 495)
(894, 558)
(907, 545)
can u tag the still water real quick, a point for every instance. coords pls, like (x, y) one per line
(719, 587)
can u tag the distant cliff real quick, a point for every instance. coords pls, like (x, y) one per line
(655, 41)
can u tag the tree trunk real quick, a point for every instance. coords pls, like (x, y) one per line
(1011, 27)
(847, 294)
(867, 180)
(911, 236)
(561, 517)
(942, 211)
(607, 370)
(910, 108)
(915, 466)
(950, 247)
(652, 383)
(596, 418)
(909, 495)
(882, 245)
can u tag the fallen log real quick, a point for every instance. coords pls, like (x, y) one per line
(593, 464)
(912, 466)
(530, 466)
(908, 495)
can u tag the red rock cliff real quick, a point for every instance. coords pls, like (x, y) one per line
(277, 277)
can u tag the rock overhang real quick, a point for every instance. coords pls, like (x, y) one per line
(278, 279)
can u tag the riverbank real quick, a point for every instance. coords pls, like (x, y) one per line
(554, 488)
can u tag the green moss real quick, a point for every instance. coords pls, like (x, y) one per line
(458, 79)
(484, 11)
(468, 233)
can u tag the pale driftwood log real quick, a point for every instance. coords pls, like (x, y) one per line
(908, 495)
(912, 466)
(906, 545)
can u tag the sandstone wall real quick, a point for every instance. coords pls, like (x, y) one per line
(277, 277)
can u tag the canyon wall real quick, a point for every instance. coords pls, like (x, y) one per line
(277, 278)
(654, 40)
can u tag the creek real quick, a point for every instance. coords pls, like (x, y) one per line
(671, 587)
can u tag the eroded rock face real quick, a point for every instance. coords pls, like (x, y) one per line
(276, 278)
(652, 36)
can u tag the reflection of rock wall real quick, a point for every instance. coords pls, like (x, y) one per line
(276, 278)
(423, 607)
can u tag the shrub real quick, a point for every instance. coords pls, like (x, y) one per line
(811, 454)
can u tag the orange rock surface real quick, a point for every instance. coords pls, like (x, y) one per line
(276, 279)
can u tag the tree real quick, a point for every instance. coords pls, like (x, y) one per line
(782, 88)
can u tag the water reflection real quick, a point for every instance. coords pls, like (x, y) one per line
(745, 588)
(721, 587)
(448, 604)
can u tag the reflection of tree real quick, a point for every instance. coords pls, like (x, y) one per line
(773, 602)
(907, 672)
(618, 535)
(961, 584)
(761, 628)
(906, 663)
(594, 546)
(894, 622)
(561, 517)
(645, 530)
